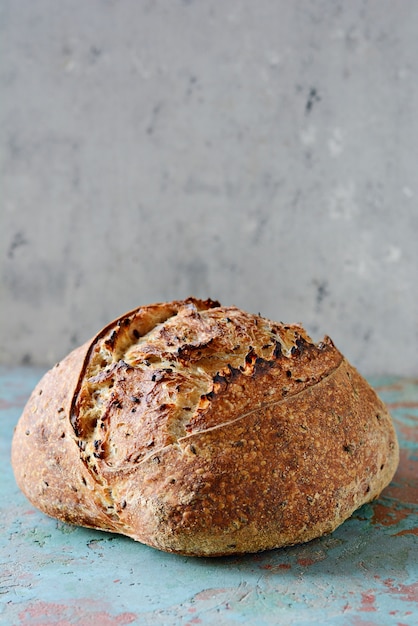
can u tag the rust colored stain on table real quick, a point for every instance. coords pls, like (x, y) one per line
(364, 574)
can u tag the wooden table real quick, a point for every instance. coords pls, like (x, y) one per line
(364, 574)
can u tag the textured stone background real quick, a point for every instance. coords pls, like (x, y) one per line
(261, 153)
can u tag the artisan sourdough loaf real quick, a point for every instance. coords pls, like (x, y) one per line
(204, 430)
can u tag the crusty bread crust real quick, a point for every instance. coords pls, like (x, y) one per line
(204, 430)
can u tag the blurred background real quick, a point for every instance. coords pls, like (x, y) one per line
(262, 153)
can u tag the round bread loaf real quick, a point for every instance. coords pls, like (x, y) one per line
(204, 430)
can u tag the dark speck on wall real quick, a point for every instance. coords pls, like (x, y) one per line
(18, 240)
(313, 98)
(95, 52)
(321, 292)
(192, 84)
(15, 148)
(26, 359)
(367, 335)
(154, 116)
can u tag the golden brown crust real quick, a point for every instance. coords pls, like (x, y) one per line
(204, 430)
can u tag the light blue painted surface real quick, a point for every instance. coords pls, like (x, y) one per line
(364, 574)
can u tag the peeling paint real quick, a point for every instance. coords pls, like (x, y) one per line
(82, 611)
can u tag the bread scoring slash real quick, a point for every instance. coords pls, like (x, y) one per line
(204, 430)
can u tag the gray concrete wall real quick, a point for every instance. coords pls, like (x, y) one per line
(263, 153)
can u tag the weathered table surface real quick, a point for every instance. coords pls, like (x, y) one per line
(364, 574)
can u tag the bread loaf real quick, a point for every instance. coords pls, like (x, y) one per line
(204, 430)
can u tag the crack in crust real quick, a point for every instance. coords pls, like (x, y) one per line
(183, 440)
